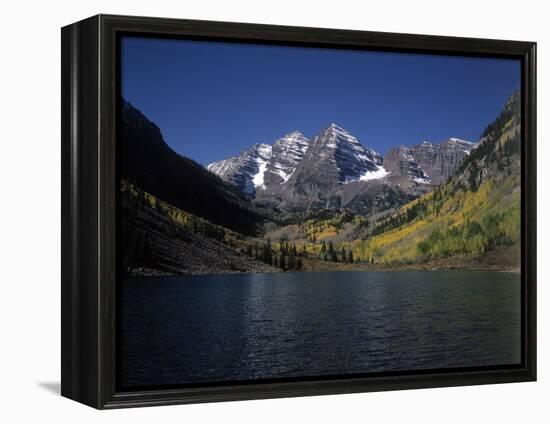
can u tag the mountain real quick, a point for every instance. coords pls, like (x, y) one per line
(335, 156)
(294, 161)
(335, 170)
(334, 160)
(287, 153)
(473, 217)
(440, 161)
(401, 164)
(297, 174)
(157, 238)
(246, 171)
(149, 163)
(426, 163)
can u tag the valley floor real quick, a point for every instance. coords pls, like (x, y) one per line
(502, 258)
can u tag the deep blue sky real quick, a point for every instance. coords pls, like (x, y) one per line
(213, 99)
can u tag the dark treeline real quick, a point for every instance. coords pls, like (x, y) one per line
(418, 209)
(338, 216)
(286, 256)
(329, 253)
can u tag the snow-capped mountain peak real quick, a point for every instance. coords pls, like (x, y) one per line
(295, 164)
(263, 164)
(351, 158)
(334, 154)
(245, 171)
(288, 151)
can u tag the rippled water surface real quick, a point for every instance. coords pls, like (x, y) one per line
(264, 326)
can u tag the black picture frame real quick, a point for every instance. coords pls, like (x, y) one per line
(89, 199)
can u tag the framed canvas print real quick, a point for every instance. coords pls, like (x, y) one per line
(255, 211)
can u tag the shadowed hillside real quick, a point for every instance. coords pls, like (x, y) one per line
(160, 239)
(149, 163)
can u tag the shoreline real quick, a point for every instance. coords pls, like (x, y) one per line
(151, 273)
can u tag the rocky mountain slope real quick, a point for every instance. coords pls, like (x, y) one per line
(246, 171)
(400, 162)
(440, 161)
(263, 166)
(335, 170)
(426, 163)
(157, 238)
(335, 157)
(288, 152)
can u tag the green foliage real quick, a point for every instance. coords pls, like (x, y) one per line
(267, 254)
(473, 238)
(286, 257)
(323, 251)
(291, 261)
(474, 179)
(331, 253)
(418, 209)
(343, 255)
(282, 261)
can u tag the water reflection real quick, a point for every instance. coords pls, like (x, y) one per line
(257, 326)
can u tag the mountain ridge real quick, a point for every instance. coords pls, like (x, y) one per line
(313, 193)
(301, 173)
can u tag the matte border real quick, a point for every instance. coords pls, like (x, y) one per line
(89, 195)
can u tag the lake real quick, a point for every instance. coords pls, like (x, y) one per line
(184, 330)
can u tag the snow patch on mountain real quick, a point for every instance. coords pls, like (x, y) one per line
(281, 173)
(334, 157)
(459, 140)
(351, 158)
(258, 178)
(419, 180)
(287, 153)
(374, 175)
(441, 160)
(245, 171)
